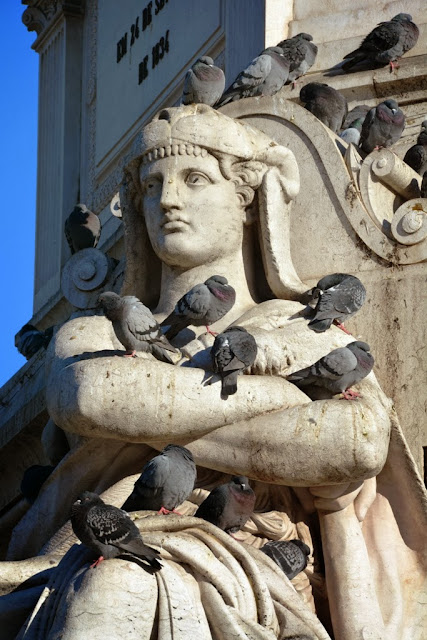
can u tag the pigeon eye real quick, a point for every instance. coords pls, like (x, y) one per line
(196, 179)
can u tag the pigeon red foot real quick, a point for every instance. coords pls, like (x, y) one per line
(349, 394)
(97, 562)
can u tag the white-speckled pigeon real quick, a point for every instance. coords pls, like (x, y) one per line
(204, 304)
(359, 111)
(204, 83)
(108, 531)
(233, 351)
(29, 340)
(351, 135)
(265, 76)
(301, 54)
(290, 555)
(165, 482)
(416, 156)
(326, 103)
(384, 45)
(229, 506)
(82, 229)
(382, 126)
(338, 370)
(339, 296)
(135, 326)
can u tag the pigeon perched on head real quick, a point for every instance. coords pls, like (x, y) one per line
(135, 326)
(204, 83)
(338, 370)
(82, 229)
(290, 555)
(384, 45)
(265, 76)
(33, 479)
(351, 135)
(382, 126)
(229, 506)
(233, 351)
(301, 54)
(165, 482)
(326, 103)
(339, 296)
(29, 340)
(108, 531)
(359, 111)
(416, 156)
(204, 304)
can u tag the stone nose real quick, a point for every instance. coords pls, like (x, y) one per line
(170, 197)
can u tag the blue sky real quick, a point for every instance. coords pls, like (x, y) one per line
(18, 173)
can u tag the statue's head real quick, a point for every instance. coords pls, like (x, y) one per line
(197, 181)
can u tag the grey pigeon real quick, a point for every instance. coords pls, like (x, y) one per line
(233, 351)
(351, 135)
(33, 479)
(416, 156)
(165, 482)
(135, 326)
(204, 83)
(108, 531)
(229, 505)
(29, 340)
(265, 76)
(423, 189)
(382, 126)
(290, 555)
(204, 304)
(326, 103)
(82, 228)
(359, 111)
(338, 370)
(301, 54)
(384, 45)
(339, 296)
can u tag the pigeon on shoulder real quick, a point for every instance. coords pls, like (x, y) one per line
(229, 506)
(290, 555)
(109, 531)
(416, 156)
(82, 229)
(204, 304)
(135, 326)
(326, 103)
(300, 51)
(338, 370)
(382, 126)
(233, 351)
(204, 83)
(166, 481)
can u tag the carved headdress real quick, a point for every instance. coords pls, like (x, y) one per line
(247, 157)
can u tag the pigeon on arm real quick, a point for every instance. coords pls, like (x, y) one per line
(382, 126)
(229, 506)
(204, 83)
(338, 370)
(108, 531)
(166, 481)
(416, 156)
(290, 555)
(326, 103)
(233, 351)
(82, 229)
(384, 45)
(265, 76)
(301, 54)
(339, 296)
(135, 326)
(204, 304)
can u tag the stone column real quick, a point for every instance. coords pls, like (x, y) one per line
(58, 24)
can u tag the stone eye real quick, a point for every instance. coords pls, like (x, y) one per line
(196, 179)
(152, 186)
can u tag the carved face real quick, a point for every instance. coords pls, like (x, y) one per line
(193, 214)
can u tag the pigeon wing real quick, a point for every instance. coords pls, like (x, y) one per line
(140, 322)
(336, 364)
(109, 524)
(187, 93)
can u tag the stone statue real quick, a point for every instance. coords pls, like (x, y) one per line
(205, 194)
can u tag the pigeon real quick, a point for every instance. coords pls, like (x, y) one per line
(265, 76)
(382, 126)
(326, 103)
(33, 479)
(339, 296)
(204, 304)
(204, 83)
(338, 370)
(108, 531)
(165, 482)
(135, 326)
(416, 156)
(359, 111)
(351, 135)
(82, 229)
(301, 54)
(423, 189)
(229, 506)
(29, 340)
(290, 555)
(385, 44)
(233, 351)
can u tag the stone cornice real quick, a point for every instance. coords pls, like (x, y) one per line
(40, 15)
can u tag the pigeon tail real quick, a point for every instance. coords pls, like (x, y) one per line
(229, 384)
(320, 325)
